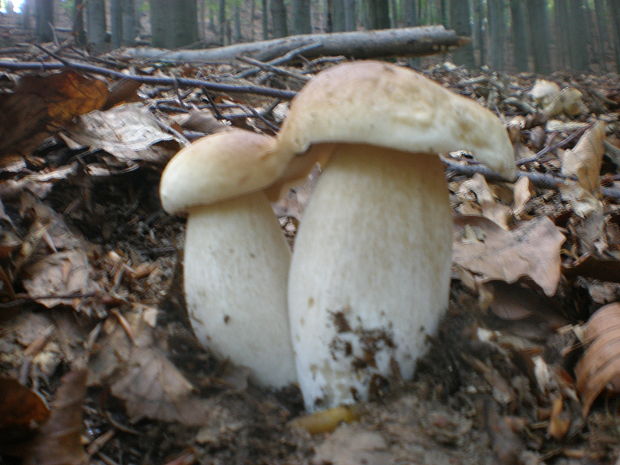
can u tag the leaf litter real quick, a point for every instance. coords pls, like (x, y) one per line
(90, 268)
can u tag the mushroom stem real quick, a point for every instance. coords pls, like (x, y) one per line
(370, 275)
(236, 268)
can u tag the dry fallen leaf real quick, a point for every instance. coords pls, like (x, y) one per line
(491, 209)
(129, 132)
(353, 445)
(40, 104)
(59, 440)
(599, 368)
(21, 412)
(532, 250)
(139, 372)
(584, 161)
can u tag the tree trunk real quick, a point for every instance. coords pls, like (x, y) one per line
(79, 33)
(578, 37)
(378, 14)
(480, 32)
(519, 35)
(221, 22)
(96, 25)
(410, 13)
(337, 15)
(539, 34)
(350, 15)
(601, 32)
(265, 18)
(460, 22)
(173, 24)
(497, 33)
(278, 18)
(614, 16)
(237, 13)
(116, 26)
(252, 18)
(302, 17)
(130, 22)
(45, 20)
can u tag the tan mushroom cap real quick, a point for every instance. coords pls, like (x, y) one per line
(376, 103)
(217, 167)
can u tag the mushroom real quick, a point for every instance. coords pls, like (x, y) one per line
(370, 273)
(236, 259)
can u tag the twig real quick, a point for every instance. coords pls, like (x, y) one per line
(544, 181)
(280, 60)
(273, 68)
(550, 148)
(214, 86)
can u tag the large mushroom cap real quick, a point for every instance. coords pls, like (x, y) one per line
(220, 166)
(370, 102)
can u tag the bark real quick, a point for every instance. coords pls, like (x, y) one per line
(480, 32)
(350, 15)
(539, 35)
(410, 12)
(378, 14)
(497, 33)
(416, 41)
(460, 22)
(116, 17)
(578, 37)
(174, 24)
(45, 20)
(79, 33)
(614, 15)
(519, 35)
(237, 14)
(601, 31)
(221, 21)
(265, 18)
(96, 25)
(302, 14)
(337, 15)
(278, 17)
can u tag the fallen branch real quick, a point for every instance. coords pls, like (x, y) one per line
(411, 41)
(170, 81)
(545, 181)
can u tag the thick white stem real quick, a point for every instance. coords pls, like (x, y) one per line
(370, 273)
(236, 269)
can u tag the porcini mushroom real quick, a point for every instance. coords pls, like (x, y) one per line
(370, 273)
(236, 259)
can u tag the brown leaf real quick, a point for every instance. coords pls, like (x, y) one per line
(21, 411)
(593, 267)
(129, 132)
(599, 367)
(559, 423)
(140, 373)
(41, 103)
(584, 161)
(59, 441)
(532, 249)
(491, 209)
(353, 445)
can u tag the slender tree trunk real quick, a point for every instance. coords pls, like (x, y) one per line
(578, 36)
(237, 36)
(175, 24)
(79, 33)
(265, 18)
(601, 31)
(350, 15)
(45, 20)
(614, 16)
(394, 16)
(480, 32)
(337, 16)
(460, 22)
(116, 25)
(497, 33)
(252, 18)
(410, 12)
(379, 14)
(221, 22)
(302, 14)
(539, 34)
(519, 35)
(96, 25)
(130, 22)
(278, 16)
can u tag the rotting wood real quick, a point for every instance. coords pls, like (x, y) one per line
(411, 41)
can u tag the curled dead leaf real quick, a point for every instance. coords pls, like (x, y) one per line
(599, 368)
(584, 161)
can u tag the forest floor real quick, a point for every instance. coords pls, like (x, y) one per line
(98, 360)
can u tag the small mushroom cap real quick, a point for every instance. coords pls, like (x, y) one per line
(376, 103)
(217, 167)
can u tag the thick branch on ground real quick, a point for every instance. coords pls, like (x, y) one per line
(411, 41)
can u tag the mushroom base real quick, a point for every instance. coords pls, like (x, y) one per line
(370, 274)
(236, 269)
